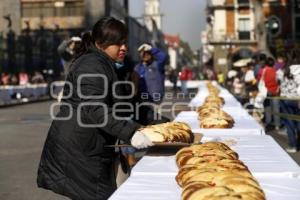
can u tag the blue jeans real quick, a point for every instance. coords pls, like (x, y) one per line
(184, 87)
(272, 105)
(291, 107)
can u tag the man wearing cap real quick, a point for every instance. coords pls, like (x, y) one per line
(151, 71)
(68, 51)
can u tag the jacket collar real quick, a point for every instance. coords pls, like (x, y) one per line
(94, 49)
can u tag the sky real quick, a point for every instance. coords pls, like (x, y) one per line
(186, 17)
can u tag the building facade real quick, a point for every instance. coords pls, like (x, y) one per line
(239, 28)
(231, 31)
(65, 14)
(152, 12)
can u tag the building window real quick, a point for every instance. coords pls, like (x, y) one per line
(243, 1)
(48, 9)
(244, 29)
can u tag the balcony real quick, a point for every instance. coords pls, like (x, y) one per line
(241, 37)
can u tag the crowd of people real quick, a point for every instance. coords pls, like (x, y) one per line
(278, 77)
(21, 78)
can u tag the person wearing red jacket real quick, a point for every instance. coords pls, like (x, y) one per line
(185, 75)
(268, 74)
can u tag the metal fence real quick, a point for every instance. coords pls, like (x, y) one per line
(32, 51)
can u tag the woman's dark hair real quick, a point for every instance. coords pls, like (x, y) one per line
(270, 62)
(287, 73)
(262, 57)
(107, 31)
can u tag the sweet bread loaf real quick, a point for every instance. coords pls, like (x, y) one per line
(169, 132)
(210, 152)
(210, 114)
(212, 171)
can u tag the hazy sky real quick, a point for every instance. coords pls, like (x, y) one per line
(186, 17)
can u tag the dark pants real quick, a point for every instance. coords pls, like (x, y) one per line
(291, 107)
(271, 105)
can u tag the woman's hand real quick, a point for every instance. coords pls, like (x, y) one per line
(145, 47)
(140, 141)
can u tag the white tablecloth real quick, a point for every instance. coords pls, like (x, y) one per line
(198, 100)
(153, 178)
(244, 123)
(164, 187)
(261, 154)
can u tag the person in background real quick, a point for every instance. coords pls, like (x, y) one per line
(210, 74)
(239, 87)
(68, 50)
(231, 74)
(151, 71)
(268, 74)
(260, 63)
(23, 78)
(37, 78)
(5, 78)
(201, 75)
(279, 67)
(221, 78)
(14, 79)
(76, 161)
(173, 78)
(185, 75)
(291, 89)
(249, 78)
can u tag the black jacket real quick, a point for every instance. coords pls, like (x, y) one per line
(74, 161)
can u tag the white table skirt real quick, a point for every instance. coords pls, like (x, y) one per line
(244, 123)
(29, 91)
(164, 187)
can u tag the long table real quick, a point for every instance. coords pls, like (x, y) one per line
(153, 178)
(198, 100)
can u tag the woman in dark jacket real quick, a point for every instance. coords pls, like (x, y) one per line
(75, 161)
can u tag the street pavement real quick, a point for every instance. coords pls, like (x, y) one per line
(23, 130)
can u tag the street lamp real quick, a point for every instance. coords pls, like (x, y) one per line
(273, 27)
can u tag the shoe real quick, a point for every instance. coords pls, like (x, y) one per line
(291, 149)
